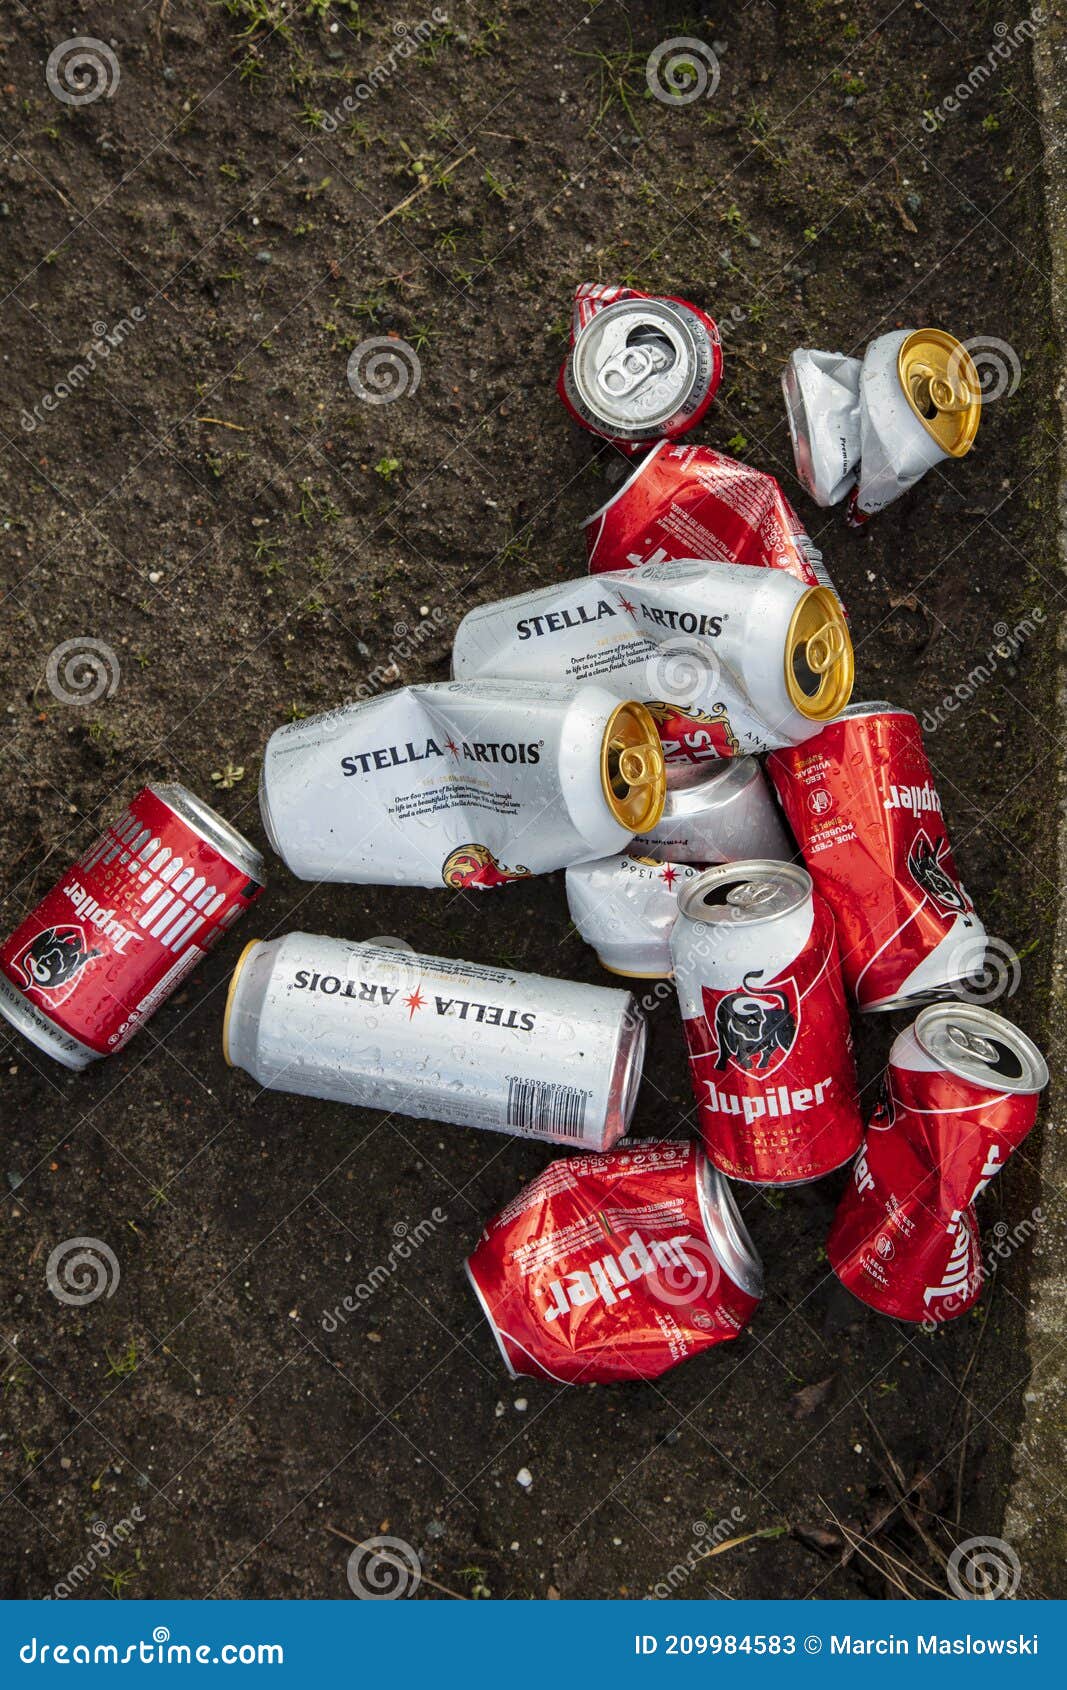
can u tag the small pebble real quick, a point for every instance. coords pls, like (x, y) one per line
(524, 1478)
(435, 1529)
(521, 1404)
(264, 257)
(169, 73)
(858, 1448)
(155, 575)
(499, 1410)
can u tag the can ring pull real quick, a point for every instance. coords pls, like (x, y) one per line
(634, 766)
(824, 648)
(933, 390)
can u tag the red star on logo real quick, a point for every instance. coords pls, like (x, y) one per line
(414, 1001)
(450, 745)
(631, 609)
(669, 875)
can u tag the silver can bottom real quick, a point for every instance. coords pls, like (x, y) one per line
(35, 1026)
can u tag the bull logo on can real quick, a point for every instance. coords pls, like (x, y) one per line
(52, 960)
(755, 1028)
(930, 874)
(475, 865)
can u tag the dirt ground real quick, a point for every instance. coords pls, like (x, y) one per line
(252, 541)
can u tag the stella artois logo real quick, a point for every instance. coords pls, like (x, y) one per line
(927, 869)
(755, 1027)
(691, 735)
(52, 960)
(475, 865)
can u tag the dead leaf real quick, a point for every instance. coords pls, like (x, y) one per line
(817, 1537)
(803, 1403)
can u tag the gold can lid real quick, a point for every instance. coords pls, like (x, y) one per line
(632, 770)
(231, 994)
(941, 385)
(819, 664)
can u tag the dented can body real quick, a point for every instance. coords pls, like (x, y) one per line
(691, 502)
(763, 1005)
(728, 659)
(625, 908)
(717, 813)
(861, 800)
(461, 785)
(960, 1093)
(125, 924)
(822, 406)
(639, 368)
(445, 1040)
(616, 1267)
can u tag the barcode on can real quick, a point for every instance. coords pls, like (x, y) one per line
(544, 1106)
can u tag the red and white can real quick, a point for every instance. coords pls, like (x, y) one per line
(861, 800)
(691, 502)
(960, 1094)
(762, 1001)
(639, 368)
(125, 924)
(616, 1266)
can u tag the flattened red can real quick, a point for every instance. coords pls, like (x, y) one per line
(692, 502)
(763, 1005)
(861, 800)
(125, 924)
(960, 1094)
(639, 368)
(616, 1266)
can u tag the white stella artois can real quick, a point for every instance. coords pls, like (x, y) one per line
(461, 785)
(448, 1041)
(625, 908)
(717, 813)
(728, 659)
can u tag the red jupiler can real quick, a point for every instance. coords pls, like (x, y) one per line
(960, 1094)
(691, 502)
(770, 1046)
(125, 924)
(639, 368)
(616, 1266)
(861, 800)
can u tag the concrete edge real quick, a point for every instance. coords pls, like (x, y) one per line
(1035, 1522)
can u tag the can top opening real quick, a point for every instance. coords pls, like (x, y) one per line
(819, 664)
(982, 1047)
(634, 363)
(941, 385)
(220, 834)
(760, 890)
(632, 771)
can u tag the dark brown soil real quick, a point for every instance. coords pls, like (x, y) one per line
(217, 505)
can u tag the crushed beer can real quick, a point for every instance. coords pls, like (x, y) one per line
(639, 368)
(763, 1006)
(872, 427)
(125, 924)
(717, 813)
(861, 800)
(690, 502)
(728, 659)
(616, 1267)
(461, 785)
(960, 1094)
(427, 1036)
(625, 907)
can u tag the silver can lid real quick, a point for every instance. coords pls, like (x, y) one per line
(745, 892)
(213, 828)
(878, 707)
(635, 362)
(982, 1047)
(727, 1232)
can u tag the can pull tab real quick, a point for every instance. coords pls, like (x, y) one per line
(973, 1044)
(824, 648)
(939, 390)
(636, 768)
(631, 367)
